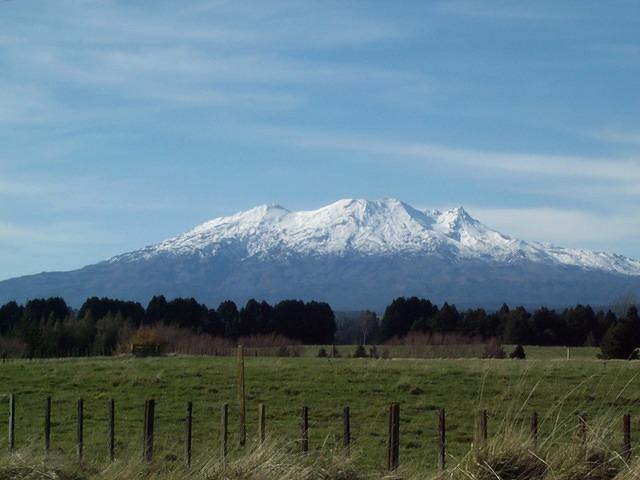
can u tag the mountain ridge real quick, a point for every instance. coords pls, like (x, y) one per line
(374, 249)
(431, 230)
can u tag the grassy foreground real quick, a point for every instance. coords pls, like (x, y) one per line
(511, 390)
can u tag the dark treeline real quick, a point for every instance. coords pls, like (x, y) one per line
(49, 327)
(576, 326)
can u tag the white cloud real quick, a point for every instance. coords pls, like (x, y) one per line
(169, 71)
(320, 24)
(620, 171)
(193, 67)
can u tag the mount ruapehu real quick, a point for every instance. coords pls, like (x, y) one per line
(353, 254)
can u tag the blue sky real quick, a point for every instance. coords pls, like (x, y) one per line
(124, 123)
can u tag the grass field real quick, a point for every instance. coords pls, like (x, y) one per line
(470, 351)
(511, 390)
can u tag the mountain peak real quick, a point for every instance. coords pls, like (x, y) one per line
(362, 227)
(460, 211)
(261, 214)
(270, 212)
(364, 204)
(369, 249)
(456, 218)
(267, 209)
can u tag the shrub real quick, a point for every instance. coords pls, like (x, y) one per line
(145, 336)
(518, 353)
(322, 353)
(360, 352)
(386, 355)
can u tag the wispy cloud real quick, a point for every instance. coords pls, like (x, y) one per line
(495, 10)
(626, 54)
(567, 227)
(623, 171)
(18, 188)
(321, 24)
(54, 245)
(80, 193)
(618, 136)
(128, 54)
(72, 233)
(24, 104)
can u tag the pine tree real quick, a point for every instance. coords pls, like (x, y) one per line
(518, 353)
(619, 341)
(360, 352)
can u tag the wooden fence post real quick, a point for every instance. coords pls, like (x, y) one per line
(346, 430)
(442, 430)
(144, 427)
(626, 430)
(149, 414)
(582, 428)
(80, 430)
(111, 434)
(188, 434)
(390, 437)
(482, 435)
(534, 429)
(242, 396)
(12, 422)
(47, 424)
(262, 419)
(394, 437)
(304, 428)
(224, 426)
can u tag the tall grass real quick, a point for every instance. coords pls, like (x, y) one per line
(572, 447)
(509, 454)
(267, 462)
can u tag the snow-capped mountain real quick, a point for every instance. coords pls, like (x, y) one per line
(365, 227)
(352, 253)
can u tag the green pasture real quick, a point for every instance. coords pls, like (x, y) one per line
(456, 351)
(509, 389)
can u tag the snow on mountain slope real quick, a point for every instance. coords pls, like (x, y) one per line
(354, 254)
(357, 227)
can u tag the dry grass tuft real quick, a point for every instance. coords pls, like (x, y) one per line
(265, 463)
